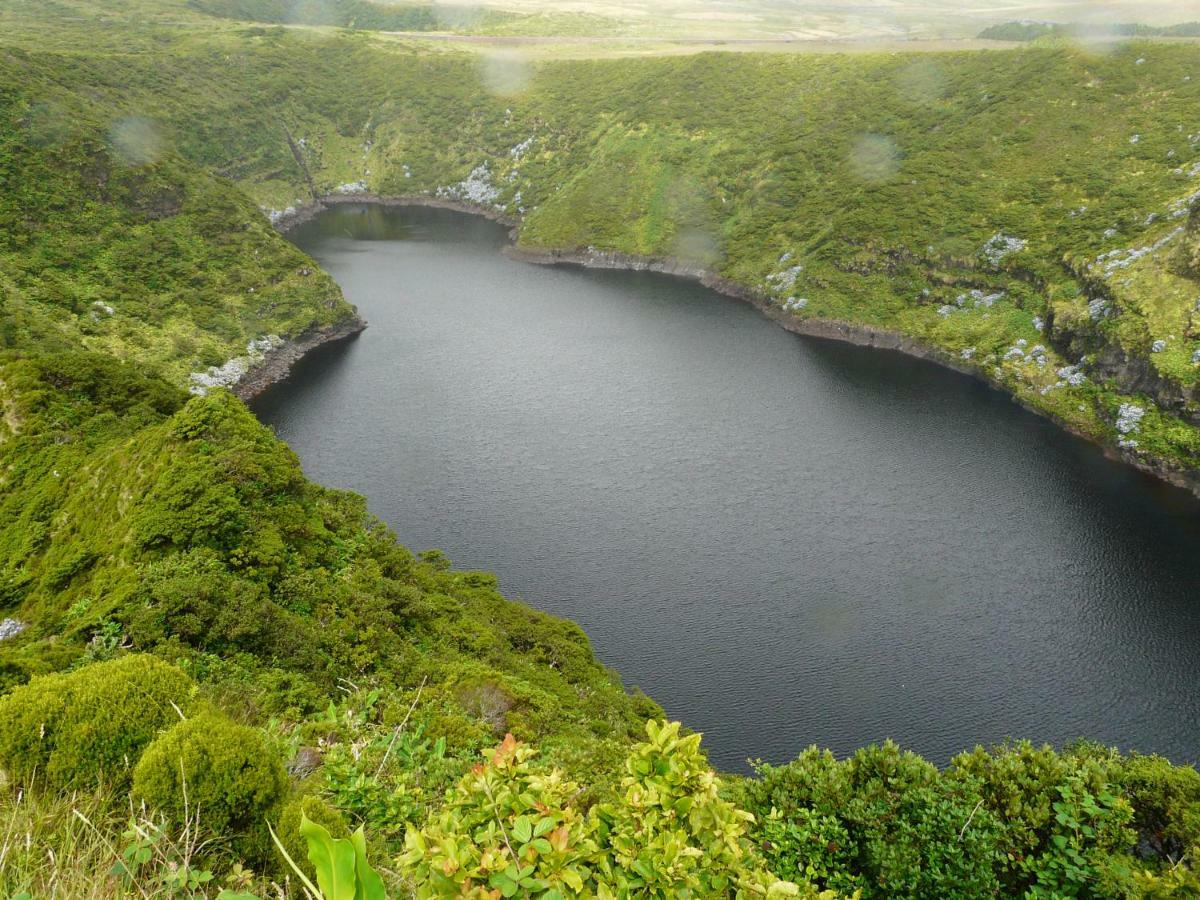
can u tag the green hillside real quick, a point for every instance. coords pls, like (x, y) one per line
(1029, 215)
(972, 201)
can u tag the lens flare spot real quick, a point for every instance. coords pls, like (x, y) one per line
(137, 141)
(874, 158)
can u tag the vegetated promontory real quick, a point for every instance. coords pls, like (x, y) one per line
(197, 642)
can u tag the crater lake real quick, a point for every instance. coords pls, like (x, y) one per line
(786, 541)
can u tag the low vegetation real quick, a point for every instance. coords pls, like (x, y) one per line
(368, 15)
(1032, 31)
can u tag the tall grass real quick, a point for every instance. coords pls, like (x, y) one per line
(81, 845)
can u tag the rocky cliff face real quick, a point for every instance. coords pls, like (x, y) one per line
(278, 361)
(1136, 375)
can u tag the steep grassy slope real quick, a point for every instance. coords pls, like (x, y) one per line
(188, 527)
(109, 241)
(973, 201)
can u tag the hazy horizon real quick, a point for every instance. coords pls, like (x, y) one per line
(819, 19)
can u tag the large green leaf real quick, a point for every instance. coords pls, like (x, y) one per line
(369, 885)
(334, 860)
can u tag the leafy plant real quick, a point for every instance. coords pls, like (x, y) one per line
(342, 870)
(152, 860)
(515, 829)
(884, 821)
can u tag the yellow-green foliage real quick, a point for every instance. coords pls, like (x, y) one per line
(90, 725)
(216, 774)
(342, 869)
(505, 826)
(511, 827)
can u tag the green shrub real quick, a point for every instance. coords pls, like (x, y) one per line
(1166, 805)
(221, 775)
(1063, 827)
(195, 598)
(514, 828)
(91, 725)
(884, 821)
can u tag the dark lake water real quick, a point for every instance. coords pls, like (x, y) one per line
(783, 540)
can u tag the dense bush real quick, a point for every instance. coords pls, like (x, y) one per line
(883, 821)
(193, 597)
(91, 725)
(216, 775)
(517, 829)
(1166, 805)
(1016, 820)
(1062, 823)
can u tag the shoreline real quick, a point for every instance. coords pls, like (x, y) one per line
(825, 329)
(278, 363)
(308, 211)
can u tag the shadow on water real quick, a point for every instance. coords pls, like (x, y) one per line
(786, 541)
(1084, 468)
(325, 364)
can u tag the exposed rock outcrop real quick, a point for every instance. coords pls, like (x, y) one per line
(279, 360)
(10, 628)
(1137, 375)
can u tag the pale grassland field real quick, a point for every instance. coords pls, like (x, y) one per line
(840, 19)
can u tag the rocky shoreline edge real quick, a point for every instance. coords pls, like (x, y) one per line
(278, 362)
(300, 214)
(827, 329)
(850, 333)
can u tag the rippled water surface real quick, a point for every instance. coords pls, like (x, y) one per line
(785, 541)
